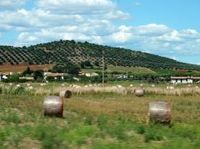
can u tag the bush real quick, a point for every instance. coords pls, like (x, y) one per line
(86, 64)
(38, 75)
(66, 68)
(13, 78)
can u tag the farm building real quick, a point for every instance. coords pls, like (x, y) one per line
(185, 80)
(88, 74)
(54, 76)
(27, 78)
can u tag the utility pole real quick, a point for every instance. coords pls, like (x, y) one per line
(103, 68)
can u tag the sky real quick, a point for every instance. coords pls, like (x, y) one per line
(169, 28)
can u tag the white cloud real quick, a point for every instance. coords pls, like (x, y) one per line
(84, 32)
(173, 36)
(11, 4)
(76, 6)
(124, 34)
(190, 32)
(47, 14)
(93, 8)
(151, 29)
(159, 39)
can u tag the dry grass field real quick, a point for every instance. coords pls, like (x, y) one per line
(96, 120)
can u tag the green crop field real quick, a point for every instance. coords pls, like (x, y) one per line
(97, 121)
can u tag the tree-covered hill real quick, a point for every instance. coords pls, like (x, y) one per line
(77, 52)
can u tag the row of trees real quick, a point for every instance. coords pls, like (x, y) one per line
(66, 68)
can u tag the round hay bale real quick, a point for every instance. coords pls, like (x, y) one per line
(139, 92)
(65, 94)
(160, 112)
(53, 106)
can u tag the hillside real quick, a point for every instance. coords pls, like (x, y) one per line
(77, 52)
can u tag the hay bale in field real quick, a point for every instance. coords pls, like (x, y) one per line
(53, 106)
(30, 88)
(65, 94)
(18, 85)
(160, 112)
(139, 92)
(42, 84)
(171, 88)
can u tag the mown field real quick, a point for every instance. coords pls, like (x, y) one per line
(98, 120)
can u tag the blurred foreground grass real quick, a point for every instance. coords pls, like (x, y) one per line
(98, 121)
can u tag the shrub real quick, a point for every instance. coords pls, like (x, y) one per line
(66, 68)
(13, 78)
(38, 75)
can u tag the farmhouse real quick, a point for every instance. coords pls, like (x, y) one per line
(27, 78)
(54, 76)
(87, 74)
(185, 80)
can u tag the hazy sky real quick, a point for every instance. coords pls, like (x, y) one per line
(165, 27)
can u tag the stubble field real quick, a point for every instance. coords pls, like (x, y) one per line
(97, 120)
